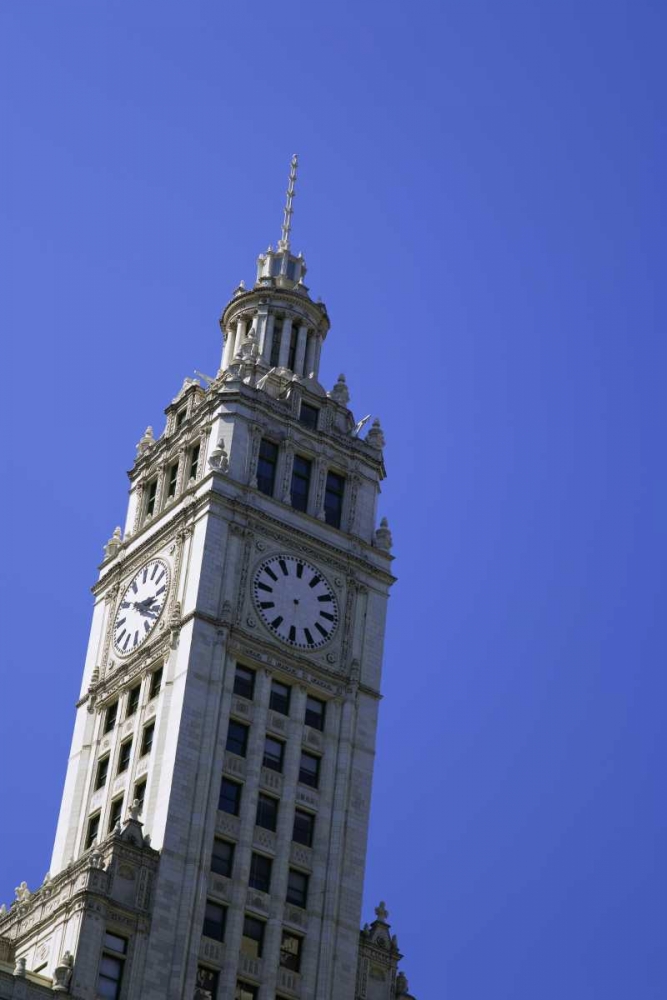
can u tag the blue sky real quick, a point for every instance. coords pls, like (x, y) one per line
(481, 204)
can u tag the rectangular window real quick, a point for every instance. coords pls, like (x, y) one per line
(309, 770)
(115, 813)
(297, 888)
(245, 991)
(300, 482)
(290, 951)
(180, 417)
(260, 873)
(280, 696)
(244, 682)
(140, 792)
(92, 831)
(147, 741)
(304, 827)
(114, 949)
(110, 717)
(222, 857)
(206, 986)
(273, 754)
(267, 812)
(194, 462)
(275, 343)
(151, 495)
(132, 701)
(172, 480)
(214, 921)
(102, 771)
(333, 499)
(315, 713)
(230, 797)
(266, 467)
(237, 738)
(156, 682)
(308, 416)
(252, 941)
(124, 756)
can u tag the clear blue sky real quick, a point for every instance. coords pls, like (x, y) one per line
(482, 207)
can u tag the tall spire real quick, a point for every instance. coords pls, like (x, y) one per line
(287, 217)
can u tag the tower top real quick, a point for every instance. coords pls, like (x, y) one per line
(287, 215)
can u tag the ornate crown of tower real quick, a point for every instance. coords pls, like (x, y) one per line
(212, 834)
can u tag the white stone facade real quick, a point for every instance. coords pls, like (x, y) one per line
(153, 725)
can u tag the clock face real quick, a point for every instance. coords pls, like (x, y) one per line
(295, 601)
(140, 607)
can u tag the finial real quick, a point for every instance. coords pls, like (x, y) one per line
(381, 911)
(287, 217)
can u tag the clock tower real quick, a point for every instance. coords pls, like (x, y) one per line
(212, 834)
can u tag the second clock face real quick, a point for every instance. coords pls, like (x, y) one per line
(295, 601)
(141, 606)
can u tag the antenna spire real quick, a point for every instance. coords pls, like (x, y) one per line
(287, 217)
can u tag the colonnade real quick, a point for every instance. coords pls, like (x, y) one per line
(307, 349)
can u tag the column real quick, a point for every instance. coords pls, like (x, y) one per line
(284, 343)
(268, 339)
(316, 359)
(240, 334)
(300, 354)
(310, 353)
(227, 352)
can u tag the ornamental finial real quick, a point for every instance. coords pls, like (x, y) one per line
(287, 217)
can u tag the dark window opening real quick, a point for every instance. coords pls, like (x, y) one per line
(116, 813)
(111, 966)
(140, 792)
(290, 951)
(194, 462)
(292, 349)
(280, 698)
(150, 498)
(180, 417)
(304, 827)
(147, 741)
(156, 682)
(308, 415)
(222, 857)
(132, 701)
(230, 797)
(275, 344)
(309, 770)
(102, 771)
(273, 754)
(252, 942)
(244, 991)
(172, 480)
(110, 717)
(333, 499)
(244, 682)
(267, 812)
(214, 921)
(206, 986)
(266, 467)
(124, 756)
(300, 482)
(237, 738)
(315, 713)
(93, 830)
(297, 888)
(260, 873)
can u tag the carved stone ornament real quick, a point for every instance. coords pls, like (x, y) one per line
(22, 893)
(219, 459)
(340, 391)
(375, 437)
(381, 911)
(113, 545)
(147, 441)
(19, 968)
(63, 973)
(383, 539)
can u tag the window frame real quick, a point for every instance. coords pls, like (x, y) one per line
(294, 966)
(262, 799)
(133, 699)
(300, 477)
(274, 763)
(309, 713)
(278, 699)
(333, 515)
(92, 830)
(229, 861)
(112, 955)
(172, 480)
(307, 780)
(312, 420)
(151, 496)
(110, 717)
(100, 781)
(259, 941)
(308, 842)
(157, 676)
(262, 881)
(124, 756)
(229, 782)
(212, 924)
(272, 463)
(242, 681)
(194, 454)
(299, 896)
(147, 738)
(116, 812)
(234, 744)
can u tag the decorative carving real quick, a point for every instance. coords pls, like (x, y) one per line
(147, 441)
(63, 973)
(22, 893)
(114, 544)
(219, 459)
(383, 539)
(340, 392)
(19, 968)
(375, 437)
(381, 911)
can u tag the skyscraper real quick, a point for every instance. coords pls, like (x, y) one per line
(212, 833)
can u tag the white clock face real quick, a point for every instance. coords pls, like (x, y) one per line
(295, 601)
(140, 607)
